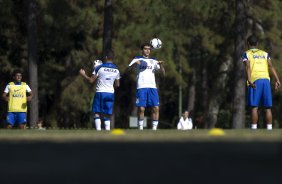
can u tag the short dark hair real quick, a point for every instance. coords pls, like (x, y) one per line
(252, 40)
(145, 44)
(109, 55)
(16, 71)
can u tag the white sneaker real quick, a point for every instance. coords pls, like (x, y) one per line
(154, 128)
(140, 127)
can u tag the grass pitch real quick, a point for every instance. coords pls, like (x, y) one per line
(133, 135)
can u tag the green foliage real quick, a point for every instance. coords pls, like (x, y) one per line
(197, 35)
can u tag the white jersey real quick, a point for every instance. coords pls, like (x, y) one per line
(185, 124)
(106, 74)
(146, 72)
(7, 88)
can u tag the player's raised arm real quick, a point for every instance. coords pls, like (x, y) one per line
(160, 63)
(90, 79)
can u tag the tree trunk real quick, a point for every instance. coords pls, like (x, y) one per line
(32, 61)
(218, 93)
(238, 120)
(107, 37)
(192, 91)
(108, 24)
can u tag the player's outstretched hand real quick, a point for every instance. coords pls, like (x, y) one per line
(82, 72)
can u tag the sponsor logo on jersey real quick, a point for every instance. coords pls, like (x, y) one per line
(18, 95)
(258, 57)
(110, 70)
(146, 67)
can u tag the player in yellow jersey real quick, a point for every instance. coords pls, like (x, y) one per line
(257, 64)
(17, 93)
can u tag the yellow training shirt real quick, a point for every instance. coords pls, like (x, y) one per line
(17, 98)
(258, 63)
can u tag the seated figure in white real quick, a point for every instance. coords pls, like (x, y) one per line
(185, 122)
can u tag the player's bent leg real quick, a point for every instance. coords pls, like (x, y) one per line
(254, 118)
(268, 118)
(141, 112)
(155, 116)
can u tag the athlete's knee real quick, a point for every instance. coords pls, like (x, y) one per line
(156, 109)
(141, 109)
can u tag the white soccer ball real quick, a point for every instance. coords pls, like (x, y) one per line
(97, 63)
(156, 43)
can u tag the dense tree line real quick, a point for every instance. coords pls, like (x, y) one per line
(199, 43)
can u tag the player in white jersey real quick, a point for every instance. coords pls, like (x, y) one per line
(147, 93)
(107, 76)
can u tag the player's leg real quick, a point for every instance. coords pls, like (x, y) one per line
(267, 103)
(107, 121)
(97, 110)
(108, 104)
(97, 121)
(153, 101)
(21, 119)
(268, 118)
(141, 101)
(10, 120)
(141, 112)
(254, 114)
(155, 116)
(254, 97)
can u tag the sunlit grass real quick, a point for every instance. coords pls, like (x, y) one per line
(133, 135)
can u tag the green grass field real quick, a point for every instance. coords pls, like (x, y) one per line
(132, 135)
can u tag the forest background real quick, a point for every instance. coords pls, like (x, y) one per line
(50, 40)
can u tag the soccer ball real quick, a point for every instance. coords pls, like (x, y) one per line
(97, 63)
(156, 43)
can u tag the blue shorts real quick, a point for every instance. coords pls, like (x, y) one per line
(103, 103)
(147, 97)
(16, 117)
(262, 93)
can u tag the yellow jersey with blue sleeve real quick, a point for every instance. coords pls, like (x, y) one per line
(258, 63)
(17, 96)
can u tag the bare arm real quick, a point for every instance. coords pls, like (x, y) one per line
(90, 79)
(5, 97)
(272, 69)
(116, 83)
(248, 73)
(29, 97)
(162, 67)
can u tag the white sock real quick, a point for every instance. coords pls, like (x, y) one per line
(107, 124)
(98, 124)
(140, 124)
(269, 126)
(155, 124)
(254, 126)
